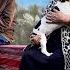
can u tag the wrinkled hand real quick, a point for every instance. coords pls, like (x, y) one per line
(35, 39)
(57, 16)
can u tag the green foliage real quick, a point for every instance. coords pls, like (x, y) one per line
(20, 13)
(23, 25)
(33, 10)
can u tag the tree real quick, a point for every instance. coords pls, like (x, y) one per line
(33, 10)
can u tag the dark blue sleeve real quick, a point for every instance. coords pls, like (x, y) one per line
(33, 59)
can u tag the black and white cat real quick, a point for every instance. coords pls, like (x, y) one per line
(43, 27)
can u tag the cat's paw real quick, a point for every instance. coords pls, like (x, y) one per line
(46, 53)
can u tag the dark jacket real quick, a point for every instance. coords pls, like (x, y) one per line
(7, 13)
(33, 59)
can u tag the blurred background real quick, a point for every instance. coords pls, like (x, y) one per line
(28, 14)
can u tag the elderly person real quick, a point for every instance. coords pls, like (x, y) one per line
(7, 12)
(33, 59)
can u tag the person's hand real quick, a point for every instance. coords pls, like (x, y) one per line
(35, 39)
(57, 17)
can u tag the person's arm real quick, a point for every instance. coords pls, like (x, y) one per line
(59, 17)
(7, 15)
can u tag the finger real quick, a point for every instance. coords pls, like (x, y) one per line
(31, 36)
(49, 22)
(37, 38)
(55, 10)
(49, 18)
(31, 39)
(50, 12)
(50, 15)
(35, 41)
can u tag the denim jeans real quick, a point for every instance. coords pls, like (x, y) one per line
(3, 40)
